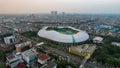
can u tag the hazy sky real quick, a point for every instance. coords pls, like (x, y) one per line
(68, 6)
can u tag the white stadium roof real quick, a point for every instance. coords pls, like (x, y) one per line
(54, 35)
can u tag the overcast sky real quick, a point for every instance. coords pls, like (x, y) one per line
(68, 6)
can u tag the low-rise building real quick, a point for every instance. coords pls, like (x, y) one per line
(116, 43)
(23, 46)
(83, 50)
(97, 40)
(50, 64)
(42, 58)
(29, 56)
(13, 60)
(9, 39)
(21, 65)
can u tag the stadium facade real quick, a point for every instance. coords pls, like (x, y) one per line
(62, 34)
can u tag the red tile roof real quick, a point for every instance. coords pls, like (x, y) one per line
(11, 57)
(21, 65)
(43, 56)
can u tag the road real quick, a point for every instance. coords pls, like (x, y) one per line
(83, 63)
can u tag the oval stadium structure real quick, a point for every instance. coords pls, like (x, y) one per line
(62, 34)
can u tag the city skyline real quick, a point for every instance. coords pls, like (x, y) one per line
(68, 6)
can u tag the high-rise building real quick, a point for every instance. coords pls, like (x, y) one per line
(63, 13)
(54, 13)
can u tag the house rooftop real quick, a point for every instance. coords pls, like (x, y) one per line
(21, 65)
(11, 57)
(23, 44)
(50, 64)
(29, 52)
(43, 57)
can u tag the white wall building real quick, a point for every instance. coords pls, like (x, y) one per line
(9, 39)
(116, 43)
(97, 39)
(13, 60)
(42, 59)
(29, 56)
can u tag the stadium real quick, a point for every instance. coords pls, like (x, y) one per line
(64, 34)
